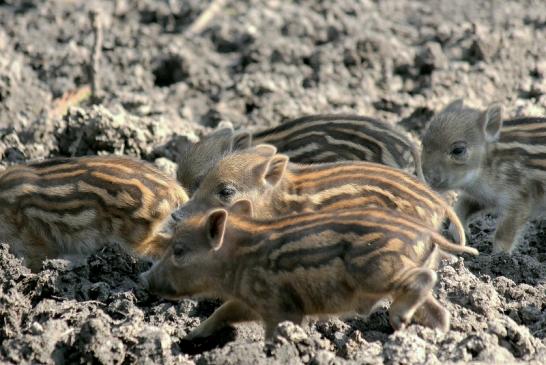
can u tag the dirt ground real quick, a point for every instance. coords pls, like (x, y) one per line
(258, 63)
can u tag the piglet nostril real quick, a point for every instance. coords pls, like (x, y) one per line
(177, 215)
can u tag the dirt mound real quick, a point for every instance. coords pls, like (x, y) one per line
(258, 63)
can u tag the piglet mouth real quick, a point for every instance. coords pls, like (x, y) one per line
(440, 186)
(437, 183)
(162, 288)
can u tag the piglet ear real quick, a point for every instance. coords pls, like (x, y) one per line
(224, 124)
(218, 142)
(265, 150)
(242, 207)
(454, 106)
(241, 140)
(216, 228)
(276, 169)
(491, 122)
(270, 171)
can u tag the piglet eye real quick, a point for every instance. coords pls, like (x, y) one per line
(179, 251)
(458, 150)
(226, 192)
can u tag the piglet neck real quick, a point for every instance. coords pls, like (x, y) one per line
(241, 233)
(268, 204)
(213, 283)
(487, 164)
(283, 194)
(289, 198)
(240, 230)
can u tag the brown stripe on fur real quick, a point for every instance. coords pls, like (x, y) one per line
(63, 175)
(156, 179)
(55, 169)
(313, 172)
(14, 175)
(539, 164)
(300, 178)
(381, 182)
(398, 178)
(523, 127)
(518, 133)
(306, 221)
(147, 197)
(103, 194)
(109, 165)
(63, 206)
(356, 203)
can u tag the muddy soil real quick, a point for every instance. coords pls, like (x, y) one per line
(257, 64)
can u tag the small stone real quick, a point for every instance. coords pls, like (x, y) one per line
(291, 332)
(36, 328)
(323, 358)
(430, 58)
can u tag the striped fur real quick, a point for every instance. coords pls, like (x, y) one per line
(305, 264)
(312, 139)
(503, 167)
(278, 188)
(525, 138)
(343, 137)
(71, 206)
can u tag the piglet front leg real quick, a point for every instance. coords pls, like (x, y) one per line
(511, 221)
(230, 312)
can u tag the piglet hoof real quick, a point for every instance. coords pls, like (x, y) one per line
(500, 247)
(398, 322)
(193, 343)
(193, 336)
(204, 332)
(433, 315)
(269, 346)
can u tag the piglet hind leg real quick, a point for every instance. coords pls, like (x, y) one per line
(34, 262)
(230, 312)
(272, 322)
(432, 314)
(411, 292)
(35, 251)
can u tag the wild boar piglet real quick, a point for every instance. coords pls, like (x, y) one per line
(493, 163)
(72, 206)
(276, 188)
(311, 139)
(306, 264)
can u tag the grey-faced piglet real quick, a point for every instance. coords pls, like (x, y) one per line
(493, 163)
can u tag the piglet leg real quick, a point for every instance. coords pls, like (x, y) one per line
(230, 312)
